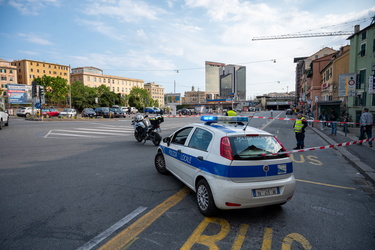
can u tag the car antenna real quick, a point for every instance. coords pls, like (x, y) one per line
(247, 124)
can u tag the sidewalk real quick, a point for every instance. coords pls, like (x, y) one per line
(361, 157)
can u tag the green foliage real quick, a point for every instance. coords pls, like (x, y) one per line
(56, 88)
(57, 92)
(140, 98)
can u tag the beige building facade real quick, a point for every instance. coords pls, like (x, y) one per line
(156, 92)
(330, 74)
(194, 97)
(28, 70)
(94, 77)
(8, 75)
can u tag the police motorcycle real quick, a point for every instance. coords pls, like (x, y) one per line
(147, 129)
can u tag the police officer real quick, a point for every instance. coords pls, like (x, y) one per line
(299, 128)
(230, 112)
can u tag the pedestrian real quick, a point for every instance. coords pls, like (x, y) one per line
(366, 122)
(323, 118)
(299, 129)
(230, 112)
(333, 119)
(271, 112)
(345, 119)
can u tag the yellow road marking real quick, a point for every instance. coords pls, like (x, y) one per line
(129, 234)
(324, 184)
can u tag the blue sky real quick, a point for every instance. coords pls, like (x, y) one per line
(168, 42)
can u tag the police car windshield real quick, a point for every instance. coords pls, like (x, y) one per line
(254, 147)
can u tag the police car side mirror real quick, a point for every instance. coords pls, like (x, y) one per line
(167, 140)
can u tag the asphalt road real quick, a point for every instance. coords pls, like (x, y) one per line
(90, 185)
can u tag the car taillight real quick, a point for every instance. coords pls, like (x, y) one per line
(284, 149)
(226, 149)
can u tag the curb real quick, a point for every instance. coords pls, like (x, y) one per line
(364, 169)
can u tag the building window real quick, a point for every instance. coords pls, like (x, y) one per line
(11, 79)
(364, 33)
(3, 78)
(362, 52)
(88, 78)
(361, 79)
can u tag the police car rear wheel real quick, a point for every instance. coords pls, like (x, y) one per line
(160, 164)
(205, 199)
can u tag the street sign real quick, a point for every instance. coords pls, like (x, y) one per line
(38, 105)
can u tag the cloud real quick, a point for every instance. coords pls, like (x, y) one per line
(31, 53)
(34, 39)
(32, 7)
(125, 10)
(102, 28)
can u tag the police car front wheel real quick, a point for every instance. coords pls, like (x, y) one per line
(160, 164)
(205, 199)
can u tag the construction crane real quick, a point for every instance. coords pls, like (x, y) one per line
(338, 33)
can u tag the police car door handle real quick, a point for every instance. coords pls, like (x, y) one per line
(179, 151)
(200, 158)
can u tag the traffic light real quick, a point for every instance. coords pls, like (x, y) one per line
(41, 91)
(33, 90)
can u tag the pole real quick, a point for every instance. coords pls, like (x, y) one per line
(174, 86)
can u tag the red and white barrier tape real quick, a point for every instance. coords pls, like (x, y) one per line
(293, 119)
(323, 147)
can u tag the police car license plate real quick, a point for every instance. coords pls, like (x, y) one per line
(266, 191)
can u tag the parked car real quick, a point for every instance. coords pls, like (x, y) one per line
(68, 113)
(104, 112)
(88, 112)
(133, 110)
(4, 118)
(26, 112)
(117, 112)
(289, 112)
(149, 110)
(50, 112)
(228, 166)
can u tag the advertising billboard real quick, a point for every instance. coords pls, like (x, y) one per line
(19, 94)
(172, 98)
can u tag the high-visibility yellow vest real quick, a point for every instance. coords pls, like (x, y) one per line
(298, 125)
(231, 113)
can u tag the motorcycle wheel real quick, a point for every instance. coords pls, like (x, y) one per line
(155, 138)
(138, 136)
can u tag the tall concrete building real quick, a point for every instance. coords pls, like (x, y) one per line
(213, 79)
(27, 70)
(223, 80)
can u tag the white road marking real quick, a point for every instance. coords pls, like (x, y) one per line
(95, 241)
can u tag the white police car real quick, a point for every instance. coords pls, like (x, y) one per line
(228, 165)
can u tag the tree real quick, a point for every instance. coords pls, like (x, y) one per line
(56, 88)
(139, 98)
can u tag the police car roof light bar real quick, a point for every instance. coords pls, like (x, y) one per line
(215, 119)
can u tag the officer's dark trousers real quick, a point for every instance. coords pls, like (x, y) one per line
(300, 137)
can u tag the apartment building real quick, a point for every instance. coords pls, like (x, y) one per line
(27, 70)
(330, 75)
(194, 97)
(156, 92)
(362, 63)
(94, 77)
(8, 75)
